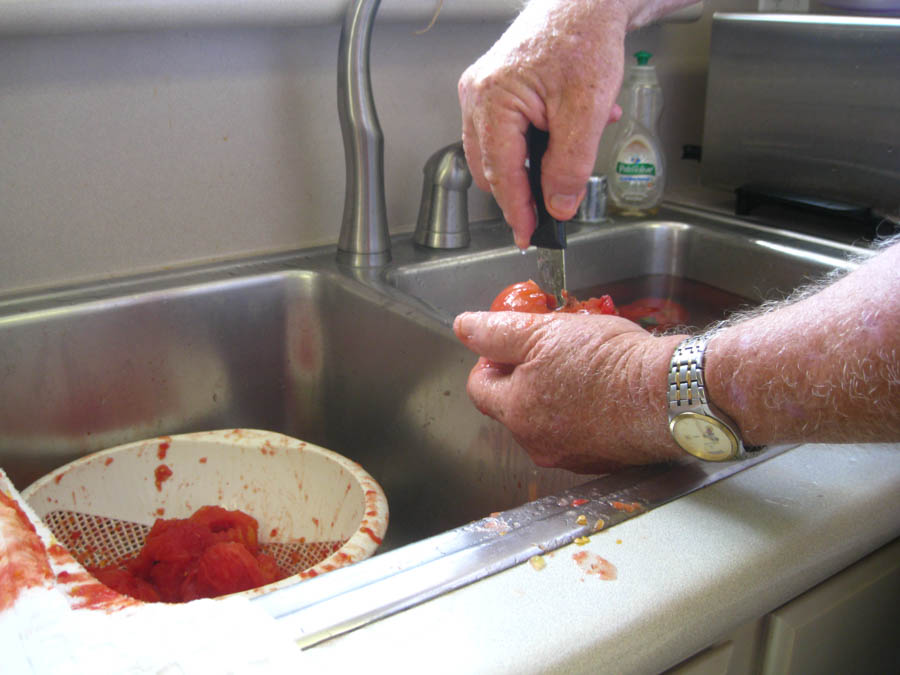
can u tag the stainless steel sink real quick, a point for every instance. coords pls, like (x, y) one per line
(289, 344)
(361, 361)
(751, 262)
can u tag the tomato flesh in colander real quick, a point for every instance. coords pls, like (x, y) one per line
(126, 583)
(214, 552)
(226, 567)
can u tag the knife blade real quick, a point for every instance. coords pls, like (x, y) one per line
(550, 235)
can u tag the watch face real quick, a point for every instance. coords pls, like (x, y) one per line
(704, 437)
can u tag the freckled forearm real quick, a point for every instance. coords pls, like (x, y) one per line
(824, 368)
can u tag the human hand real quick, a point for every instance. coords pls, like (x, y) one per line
(559, 67)
(581, 392)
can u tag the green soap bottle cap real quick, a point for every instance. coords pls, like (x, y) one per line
(642, 57)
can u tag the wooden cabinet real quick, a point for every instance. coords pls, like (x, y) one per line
(849, 623)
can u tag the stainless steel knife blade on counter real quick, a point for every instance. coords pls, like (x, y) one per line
(550, 235)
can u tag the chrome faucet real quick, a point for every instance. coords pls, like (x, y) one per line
(364, 240)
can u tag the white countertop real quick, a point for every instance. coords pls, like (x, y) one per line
(685, 575)
(688, 573)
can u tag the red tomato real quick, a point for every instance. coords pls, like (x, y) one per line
(269, 568)
(655, 313)
(602, 305)
(167, 578)
(227, 567)
(212, 553)
(125, 583)
(228, 525)
(173, 542)
(526, 296)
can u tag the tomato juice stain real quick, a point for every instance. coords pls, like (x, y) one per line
(162, 474)
(593, 564)
(627, 507)
(374, 537)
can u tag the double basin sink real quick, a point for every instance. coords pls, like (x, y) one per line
(362, 362)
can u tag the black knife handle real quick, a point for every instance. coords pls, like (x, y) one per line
(550, 233)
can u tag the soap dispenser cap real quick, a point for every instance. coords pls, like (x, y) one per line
(642, 57)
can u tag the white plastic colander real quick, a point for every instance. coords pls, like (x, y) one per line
(316, 509)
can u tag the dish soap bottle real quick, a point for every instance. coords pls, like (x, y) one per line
(637, 173)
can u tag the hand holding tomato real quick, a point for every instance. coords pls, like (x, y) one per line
(577, 391)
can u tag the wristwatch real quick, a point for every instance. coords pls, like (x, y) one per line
(696, 424)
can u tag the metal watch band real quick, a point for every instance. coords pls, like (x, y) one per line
(687, 388)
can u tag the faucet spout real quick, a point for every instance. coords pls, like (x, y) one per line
(364, 240)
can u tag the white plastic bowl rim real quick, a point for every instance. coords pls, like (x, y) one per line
(296, 490)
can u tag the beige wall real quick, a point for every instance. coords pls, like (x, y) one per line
(131, 151)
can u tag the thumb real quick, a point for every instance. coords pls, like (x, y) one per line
(501, 337)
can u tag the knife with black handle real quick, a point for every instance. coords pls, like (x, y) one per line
(550, 235)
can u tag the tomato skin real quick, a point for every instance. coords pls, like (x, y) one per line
(526, 296)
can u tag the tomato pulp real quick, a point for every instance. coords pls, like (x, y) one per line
(212, 553)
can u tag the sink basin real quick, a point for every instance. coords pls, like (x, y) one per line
(746, 263)
(362, 362)
(305, 352)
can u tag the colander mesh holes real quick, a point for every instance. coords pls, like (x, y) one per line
(293, 558)
(97, 541)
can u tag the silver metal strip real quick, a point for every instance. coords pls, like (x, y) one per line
(341, 601)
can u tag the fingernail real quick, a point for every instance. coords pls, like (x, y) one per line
(462, 326)
(563, 202)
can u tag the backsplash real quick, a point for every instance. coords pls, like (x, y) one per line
(133, 151)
